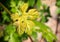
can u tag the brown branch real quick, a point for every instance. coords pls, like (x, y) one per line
(5, 8)
(57, 27)
(30, 38)
(58, 20)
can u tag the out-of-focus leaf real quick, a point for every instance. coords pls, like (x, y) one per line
(1, 33)
(16, 1)
(10, 29)
(45, 13)
(24, 36)
(31, 2)
(10, 34)
(13, 4)
(38, 4)
(42, 25)
(13, 10)
(58, 3)
(5, 16)
(0, 8)
(43, 19)
(49, 36)
(46, 31)
(34, 36)
(58, 10)
(6, 38)
(12, 39)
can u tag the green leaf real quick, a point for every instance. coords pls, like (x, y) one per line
(43, 18)
(12, 39)
(1, 33)
(31, 2)
(34, 36)
(16, 1)
(38, 4)
(41, 25)
(24, 36)
(11, 35)
(47, 37)
(10, 29)
(46, 31)
(58, 11)
(13, 4)
(6, 38)
(58, 3)
(5, 17)
(13, 10)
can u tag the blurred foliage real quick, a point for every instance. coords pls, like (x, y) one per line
(5, 17)
(58, 11)
(1, 33)
(47, 33)
(21, 23)
(58, 5)
(45, 13)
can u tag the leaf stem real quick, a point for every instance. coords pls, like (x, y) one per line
(30, 38)
(5, 8)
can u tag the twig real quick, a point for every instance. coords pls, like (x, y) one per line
(58, 19)
(5, 8)
(57, 26)
(30, 38)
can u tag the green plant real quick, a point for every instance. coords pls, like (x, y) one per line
(58, 5)
(20, 20)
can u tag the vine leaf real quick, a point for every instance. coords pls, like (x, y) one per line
(46, 32)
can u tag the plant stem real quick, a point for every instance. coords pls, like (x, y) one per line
(58, 21)
(5, 8)
(30, 38)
